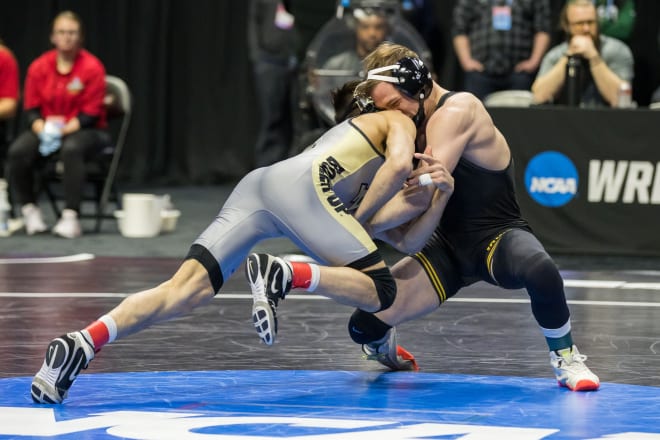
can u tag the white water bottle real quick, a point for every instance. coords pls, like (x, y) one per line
(624, 96)
(5, 209)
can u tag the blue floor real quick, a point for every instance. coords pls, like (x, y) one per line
(303, 404)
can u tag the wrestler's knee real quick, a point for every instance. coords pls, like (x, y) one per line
(541, 273)
(365, 327)
(190, 287)
(533, 269)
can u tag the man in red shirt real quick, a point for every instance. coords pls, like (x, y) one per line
(63, 102)
(8, 97)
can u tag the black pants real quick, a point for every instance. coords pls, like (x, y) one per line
(24, 160)
(483, 84)
(275, 97)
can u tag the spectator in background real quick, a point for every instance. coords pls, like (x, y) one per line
(421, 14)
(371, 29)
(273, 42)
(616, 18)
(655, 97)
(605, 62)
(500, 43)
(63, 103)
(356, 34)
(9, 92)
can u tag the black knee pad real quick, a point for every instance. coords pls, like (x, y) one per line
(365, 327)
(385, 286)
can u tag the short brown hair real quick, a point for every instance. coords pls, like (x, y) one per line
(387, 54)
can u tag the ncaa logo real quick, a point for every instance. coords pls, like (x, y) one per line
(551, 179)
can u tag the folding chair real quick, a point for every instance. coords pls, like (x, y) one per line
(100, 172)
(509, 98)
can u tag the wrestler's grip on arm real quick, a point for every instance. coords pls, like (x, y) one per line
(408, 203)
(411, 236)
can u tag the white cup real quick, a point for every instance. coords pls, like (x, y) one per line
(141, 215)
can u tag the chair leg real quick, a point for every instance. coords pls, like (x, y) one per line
(100, 207)
(52, 199)
(99, 219)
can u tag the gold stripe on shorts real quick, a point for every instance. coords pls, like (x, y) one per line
(433, 276)
(491, 251)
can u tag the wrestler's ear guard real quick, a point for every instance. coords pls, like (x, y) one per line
(409, 75)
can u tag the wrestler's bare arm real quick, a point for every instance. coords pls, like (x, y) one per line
(465, 129)
(399, 134)
(450, 130)
(411, 237)
(406, 205)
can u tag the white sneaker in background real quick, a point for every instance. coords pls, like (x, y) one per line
(68, 226)
(15, 224)
(34, 221)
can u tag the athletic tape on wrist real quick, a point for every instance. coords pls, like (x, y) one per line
(425, 179)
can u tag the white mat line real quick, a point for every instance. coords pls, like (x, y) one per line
(602, 284)
(39, 260)
(596, 284)
(570, 301)
(317, 297)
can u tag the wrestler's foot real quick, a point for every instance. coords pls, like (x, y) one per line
(387, 352)
(571, 372)
(270, 280)
(65, 357)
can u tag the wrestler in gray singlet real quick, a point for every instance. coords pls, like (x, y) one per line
(308, 198)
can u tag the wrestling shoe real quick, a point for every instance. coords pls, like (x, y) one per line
(570, 370)
(270, 280)
(65, 357)
(387, 352)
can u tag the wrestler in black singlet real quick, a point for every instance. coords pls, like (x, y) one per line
(483, 237)
(481, 210)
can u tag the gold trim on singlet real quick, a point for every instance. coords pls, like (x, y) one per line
(492, 246)
(342, 167)
(433, 276)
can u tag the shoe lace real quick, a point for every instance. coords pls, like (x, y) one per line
(576, 361)
(376, 357)
(579, 358)
(371, 353)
